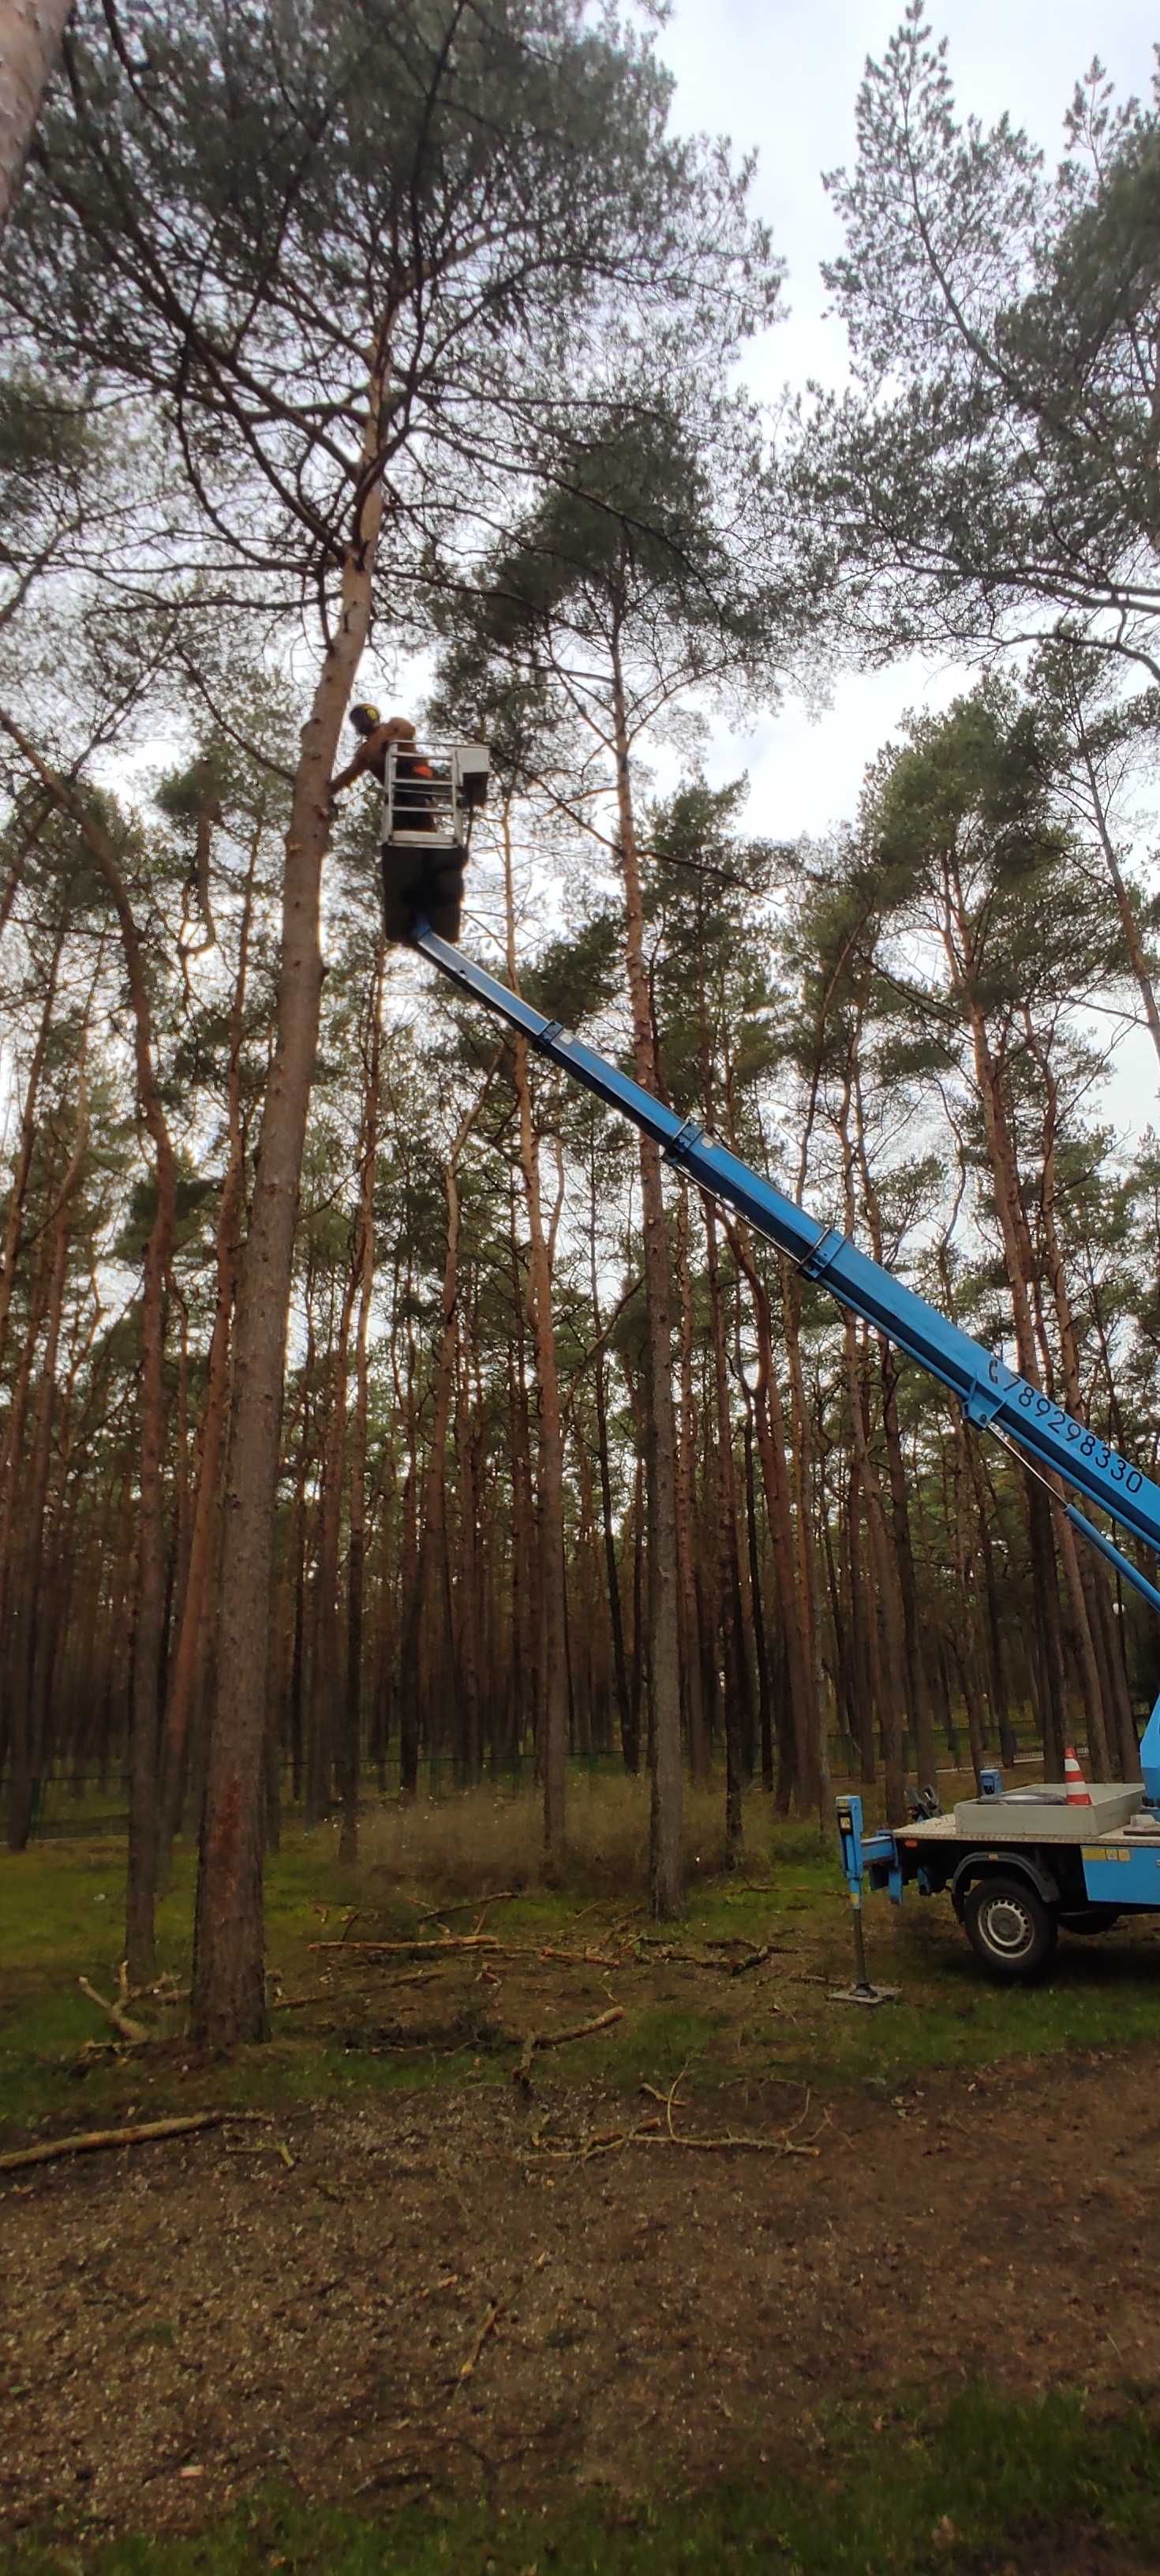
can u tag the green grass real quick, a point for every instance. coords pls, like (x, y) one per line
(984, 2486)
(61, 1917)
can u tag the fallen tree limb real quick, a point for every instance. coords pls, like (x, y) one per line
(122, 2020)
(455, 1941)
(668, 1957)
(537, 2039)
(649, 2133)
(718, 2146)
(86, 2141)
(756, 1959)
(336, 1996)
(136, 2034)
(490, 2322)
(572, 1958)
(465, 1904)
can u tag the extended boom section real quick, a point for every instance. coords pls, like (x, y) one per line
(991, 1394)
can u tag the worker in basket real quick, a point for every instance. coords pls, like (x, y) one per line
(418, 884)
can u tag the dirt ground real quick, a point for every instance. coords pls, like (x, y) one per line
(474, 2290)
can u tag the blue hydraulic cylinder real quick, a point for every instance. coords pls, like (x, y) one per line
(992, 1395)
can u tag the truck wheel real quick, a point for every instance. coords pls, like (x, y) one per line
(1009, 1928)
(1094, 1918)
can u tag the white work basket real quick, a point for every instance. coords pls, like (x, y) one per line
(429, 795)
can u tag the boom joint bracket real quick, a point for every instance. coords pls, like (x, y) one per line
(981, 1403)
(688, 1133)
(823, 1253)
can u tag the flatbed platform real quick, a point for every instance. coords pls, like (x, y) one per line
(1039, 1814)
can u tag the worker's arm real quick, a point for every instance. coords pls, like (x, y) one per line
(354, 768)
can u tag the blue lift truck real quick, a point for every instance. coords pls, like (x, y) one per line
(1017, 1863)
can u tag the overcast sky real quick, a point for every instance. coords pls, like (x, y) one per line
(782, 79)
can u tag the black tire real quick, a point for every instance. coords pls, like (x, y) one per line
(1009, 1928)
(1093, 1919)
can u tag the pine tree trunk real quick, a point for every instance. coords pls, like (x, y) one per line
(430, 1565)
(1019, 1259)
(468, 1448)
(917, 1695)
(1113, 1742)
(629, 1724)
(520, 1567)
(996, 1661)
(884, 1612)
(887, 1607)
(229, 1986)
(24, 1758)
(663, 1588)
(31, 35)
(553, 1747)
(773, 1451)
(691, 1676)
(760, 1636)
(18, 1189)
(187, 1662)
(350, 1748)
(813, 1783)
(328, 1677)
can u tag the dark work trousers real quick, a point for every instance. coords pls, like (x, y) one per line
(422, 884)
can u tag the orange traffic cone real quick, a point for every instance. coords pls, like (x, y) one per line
(1078, 1792)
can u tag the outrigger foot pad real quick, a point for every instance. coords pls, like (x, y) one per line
(868, 1995)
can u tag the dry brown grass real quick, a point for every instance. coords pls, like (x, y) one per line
(474, 1841)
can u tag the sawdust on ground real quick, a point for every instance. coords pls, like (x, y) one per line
(455, 2292)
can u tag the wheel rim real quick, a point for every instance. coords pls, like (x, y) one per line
(1007, 1926)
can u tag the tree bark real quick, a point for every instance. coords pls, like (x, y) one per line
(1019, 1259)
(553, 1749)
(31, 35)
(629, 1726)
(413, 1659)
(691, 1673)
(228, 2000)
(813, 1783)
(917, 1695)
(350, 1749)
(1112, 1737)
(772, 1449)
(186, 1666)
(663, 1589)
(14, 1211)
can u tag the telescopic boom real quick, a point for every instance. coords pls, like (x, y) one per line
(992, 1396)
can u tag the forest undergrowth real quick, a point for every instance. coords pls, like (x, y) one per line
(433, 1961)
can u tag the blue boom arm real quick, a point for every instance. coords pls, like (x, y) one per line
(991, 1394)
